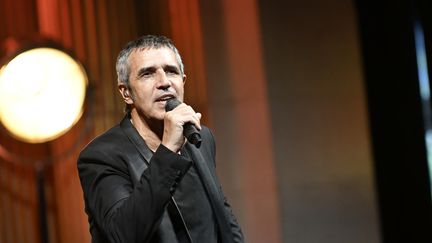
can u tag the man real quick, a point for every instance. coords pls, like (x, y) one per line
(142, 181)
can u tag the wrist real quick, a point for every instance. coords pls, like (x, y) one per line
(174, 147)
(171, 147)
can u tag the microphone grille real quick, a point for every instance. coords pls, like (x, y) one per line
(171, 104)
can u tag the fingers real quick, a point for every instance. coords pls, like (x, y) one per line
(198, 116)
(185, 113)
(174, 120)
(196, 120)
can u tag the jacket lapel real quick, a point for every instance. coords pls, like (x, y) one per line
(142, 148)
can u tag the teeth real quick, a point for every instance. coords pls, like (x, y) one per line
(165, 98)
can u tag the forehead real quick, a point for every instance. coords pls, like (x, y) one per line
(152, 57)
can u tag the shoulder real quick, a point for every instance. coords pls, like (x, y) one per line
(110, 142)
(206, 132)
(207, 135)
(208, 145)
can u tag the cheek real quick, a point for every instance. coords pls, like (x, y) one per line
(143, 92)
(179, 86)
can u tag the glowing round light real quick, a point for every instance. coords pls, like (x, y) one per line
(42, 93)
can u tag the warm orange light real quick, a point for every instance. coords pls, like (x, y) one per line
(42, 94)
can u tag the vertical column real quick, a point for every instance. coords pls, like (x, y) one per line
(11, 26)
(48, 16)
(187, 36)
(261, 213)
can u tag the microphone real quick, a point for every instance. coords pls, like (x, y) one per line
(189, 130)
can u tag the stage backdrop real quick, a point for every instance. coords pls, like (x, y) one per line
(279, 82)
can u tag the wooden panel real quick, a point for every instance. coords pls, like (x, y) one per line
(253, 129)
(47, 13)
(24, 26)
(77, 19)
(18, 203)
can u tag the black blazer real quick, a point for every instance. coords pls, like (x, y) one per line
(126, 191)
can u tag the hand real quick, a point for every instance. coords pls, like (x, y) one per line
(174, 120)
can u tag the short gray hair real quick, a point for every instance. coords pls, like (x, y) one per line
(142, 43)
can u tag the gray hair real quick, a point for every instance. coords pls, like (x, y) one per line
(142, 43)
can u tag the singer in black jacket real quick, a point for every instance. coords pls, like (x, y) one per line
(142, 181)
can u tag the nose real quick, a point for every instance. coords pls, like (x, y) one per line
(163, 81)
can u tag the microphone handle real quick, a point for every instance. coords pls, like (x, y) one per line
(189, 130)
(192, 134)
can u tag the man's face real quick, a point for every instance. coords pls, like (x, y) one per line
(154, 78)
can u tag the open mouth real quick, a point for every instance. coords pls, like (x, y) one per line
(164, 98)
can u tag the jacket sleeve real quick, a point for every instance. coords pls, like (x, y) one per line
(235, 227)
(124, 212)
(237, 234)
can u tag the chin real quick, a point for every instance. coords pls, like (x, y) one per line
(159, 115)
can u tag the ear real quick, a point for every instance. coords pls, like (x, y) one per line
(125, 93)
(184, 78)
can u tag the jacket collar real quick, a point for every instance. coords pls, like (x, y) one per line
(141, 147)
(136, 138)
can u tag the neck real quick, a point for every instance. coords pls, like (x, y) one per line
(151, 131)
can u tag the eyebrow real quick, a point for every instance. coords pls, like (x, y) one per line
(172, 67)
(152, 69)
(144, 70)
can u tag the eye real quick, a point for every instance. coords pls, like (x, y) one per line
(172, 71)
(146, 73)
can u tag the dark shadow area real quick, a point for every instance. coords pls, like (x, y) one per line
(396, 115)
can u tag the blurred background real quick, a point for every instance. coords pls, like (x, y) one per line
(320, 110)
